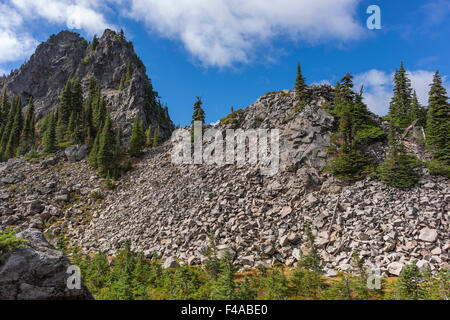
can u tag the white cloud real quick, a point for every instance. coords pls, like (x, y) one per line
(222, 32)
(378, 86)
(84, 14)
(19, 16)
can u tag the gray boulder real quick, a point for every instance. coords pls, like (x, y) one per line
(37, 272)
(76, 153)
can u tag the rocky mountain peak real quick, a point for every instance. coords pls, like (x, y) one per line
(105, 60)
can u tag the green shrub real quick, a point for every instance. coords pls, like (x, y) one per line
(370, 133)
(350, 166)
(97, 195)
(399, 172)
(232, 117)
(9, 241)
(438, 168)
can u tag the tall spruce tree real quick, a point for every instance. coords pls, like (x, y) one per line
(438, 122)
(199, 113)
(92, 159)
(105, 159)
(117, 154)
(418, 112)
(401, 103)
(28, 133)
(50, 143)
(157, 139)
(137, 141)
(300, 87)
(397, 169)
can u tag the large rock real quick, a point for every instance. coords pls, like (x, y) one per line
(427, 234)
(36, 272)
(76, 153)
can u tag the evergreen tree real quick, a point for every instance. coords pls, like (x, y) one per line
(28, 132)
(224, 288)
(122, 83)
(199, 113)
(418, 112)
(50, 145)
(4, 108)
(77, 98)
(129, 73)
(397, 169)
(300, 87)
(105, 159)
(148, 136)
(156, 138)
(117, 154)
(401, 103)
(438, 122)
(137, 142)
(92, 160)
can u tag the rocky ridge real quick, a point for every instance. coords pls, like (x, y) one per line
(170, 209)
(66, 53)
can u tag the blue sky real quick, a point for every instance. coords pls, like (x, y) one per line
(231, 52)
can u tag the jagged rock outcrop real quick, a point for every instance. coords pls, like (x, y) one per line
(37, 272)
(43, 77)
(170, 209)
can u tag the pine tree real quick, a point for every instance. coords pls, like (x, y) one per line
(137, 142)
(50, 145)
(117, 154)
(343, 94)
(156, 138)
(300, 87)
(438, 122)
(418, 112)
(199, 113)
(28, 134)
(4, 109)
(397, 169)
(148, 136)
(122, 83)
(401, 103)
(129, 73)
(92, 160)
(16, 129)
(105, 159)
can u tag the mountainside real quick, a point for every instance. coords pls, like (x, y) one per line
(106, 61)
(170, 209)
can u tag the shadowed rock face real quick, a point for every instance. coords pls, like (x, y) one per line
(43, 77)
(37, 272)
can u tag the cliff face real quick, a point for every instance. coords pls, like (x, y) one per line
(45, 74)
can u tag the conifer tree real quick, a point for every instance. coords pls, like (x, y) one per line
(50, 145)
(92, 160)
(438, 122)
(401, 103)
(4, 108)
(156, 138)
(28, 134)
(122, 83)
(199, 113)
(148, 136)
(300, 87)
(16, 129)
(137, 142)
(129, 73)
(397, 169)
(117, 154)
(105, 148)
(77, 98)
(418, 112)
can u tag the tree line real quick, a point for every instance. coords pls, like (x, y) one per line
(357, 130)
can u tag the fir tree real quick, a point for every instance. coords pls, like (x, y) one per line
(418, 112)
(117, 154)
(199, 113)
(77, 98)
(401, 103)
(438, 122)
(28, 132)
(137, 142)
(50, 145)
(129, 73)
(397, 169)
(105, 159)
(122, 83)
(92, 160)
(148, 136)
(156, 138)
(300, 87)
